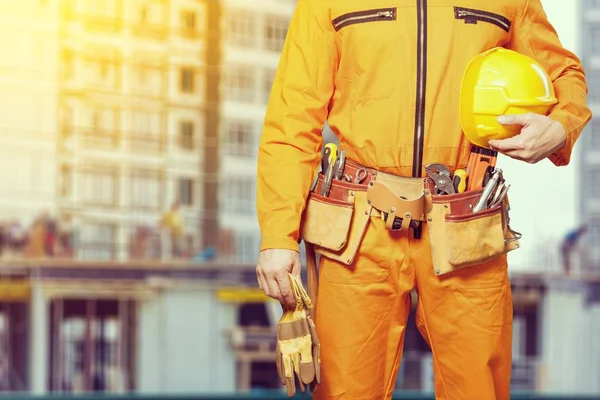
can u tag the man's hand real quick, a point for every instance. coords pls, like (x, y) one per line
(272, 273)
(540, 137)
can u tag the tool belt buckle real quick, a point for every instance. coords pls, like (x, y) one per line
(391, 218)
(410, 212)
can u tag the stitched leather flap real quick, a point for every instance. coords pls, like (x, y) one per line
(326, 222)
(381, 197)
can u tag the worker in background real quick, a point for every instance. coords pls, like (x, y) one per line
(387, 81)
(172, 221)
(569, 244)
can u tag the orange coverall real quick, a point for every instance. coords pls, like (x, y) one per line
(386, 74)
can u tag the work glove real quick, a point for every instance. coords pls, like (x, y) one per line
(297, 354)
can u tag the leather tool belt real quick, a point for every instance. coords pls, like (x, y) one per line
(333, 225)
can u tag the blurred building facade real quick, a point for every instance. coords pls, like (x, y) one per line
(253, 36)
(131, 121)
(590, 148)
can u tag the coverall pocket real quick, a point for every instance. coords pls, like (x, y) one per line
(474, 16)
(371, 37)
(461, 238)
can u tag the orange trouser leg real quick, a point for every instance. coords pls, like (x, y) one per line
(466, 317)
(361, 318)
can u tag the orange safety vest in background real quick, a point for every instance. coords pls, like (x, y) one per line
(386, 76)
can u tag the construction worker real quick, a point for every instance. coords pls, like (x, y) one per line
(386, 77)
(569, 245)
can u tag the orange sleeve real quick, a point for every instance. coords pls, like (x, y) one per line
(291, 141)
(534, 36)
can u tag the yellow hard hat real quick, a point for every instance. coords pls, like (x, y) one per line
(501, 81)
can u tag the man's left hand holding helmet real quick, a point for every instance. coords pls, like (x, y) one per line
(540, 137)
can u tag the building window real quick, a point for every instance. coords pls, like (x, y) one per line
(240, 84)
(145, 190)
(144, 14)
(593, 182)
(91, 345)
(268, 79)
(275, 31)
(67, 122)
(97, 241)
(237, 195)
(186, 135)
(594, 86)
(186, 80)
(186, 192)
(188, 23)
(101, 8)
(68, 65)
(242, 28)
(98, 186)
(594, 41)
(66, 180)
(594, 134)
(147, 80)
(151, 12)
(146, 132)
(100, 70)
(247, 247)
(239, 139)
(150, 19)
(593, 240)
(102, 128)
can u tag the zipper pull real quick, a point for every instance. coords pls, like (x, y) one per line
(388, 14)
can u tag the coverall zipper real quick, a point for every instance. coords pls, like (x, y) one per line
(421, 87)
(472, 16)
(379, 14)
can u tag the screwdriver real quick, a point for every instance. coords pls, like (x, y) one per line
(329, 157)
(460, 180)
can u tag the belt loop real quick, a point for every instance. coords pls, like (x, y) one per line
(406, 220)
(389, 222)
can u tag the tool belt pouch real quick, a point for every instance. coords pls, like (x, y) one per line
(461, 238)
(335, 224)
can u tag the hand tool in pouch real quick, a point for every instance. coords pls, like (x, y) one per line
(338, 170)
(297, 353)
(490, 188)
(440, 174)
(481, 161)
(499, 198)
(460, 180)
(331, 155)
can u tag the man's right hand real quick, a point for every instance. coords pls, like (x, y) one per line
(272, 273)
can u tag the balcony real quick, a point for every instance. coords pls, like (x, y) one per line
(99, 139)
(150, 30)
(146, 144)
(95, 22)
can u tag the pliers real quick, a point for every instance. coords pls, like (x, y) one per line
(440, 174)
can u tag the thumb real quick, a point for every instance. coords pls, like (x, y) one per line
(514, 119)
